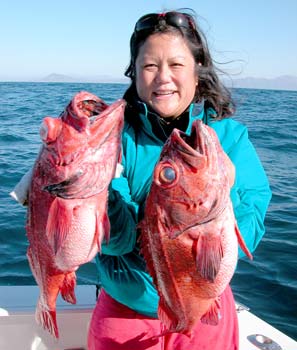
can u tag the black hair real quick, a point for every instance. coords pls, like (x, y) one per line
(210, 88)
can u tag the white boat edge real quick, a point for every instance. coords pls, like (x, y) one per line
(18, 329)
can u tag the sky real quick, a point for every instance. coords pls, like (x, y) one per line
(81, 38)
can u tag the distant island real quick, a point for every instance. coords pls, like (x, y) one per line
(284, 82)
(61, 78)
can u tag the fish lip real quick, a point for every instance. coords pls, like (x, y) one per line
(120, 103)
(182, 144)
(111, 111)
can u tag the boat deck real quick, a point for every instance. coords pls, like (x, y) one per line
(18, 329)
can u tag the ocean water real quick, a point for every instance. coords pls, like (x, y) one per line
(268, 284)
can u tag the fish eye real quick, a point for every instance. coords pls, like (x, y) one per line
(167, 175)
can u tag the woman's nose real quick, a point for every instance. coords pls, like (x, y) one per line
(164, 74)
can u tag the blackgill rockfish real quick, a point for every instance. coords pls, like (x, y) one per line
(67, 204)
(189, 235)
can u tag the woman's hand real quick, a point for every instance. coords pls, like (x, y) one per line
(21, 191)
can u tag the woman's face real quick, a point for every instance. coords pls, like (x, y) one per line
(166, 77)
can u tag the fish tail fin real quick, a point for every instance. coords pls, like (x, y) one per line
(58, 223)
(209, 254)
(47, 319)
(242, 243)
(213, 315)
(67, 289)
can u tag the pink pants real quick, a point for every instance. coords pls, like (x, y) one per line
(116, 327)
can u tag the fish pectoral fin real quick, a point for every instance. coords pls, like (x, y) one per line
(102, 229)
(242, 243)
(209, 254)
(58, 223)
(68, 287)
(213, 315)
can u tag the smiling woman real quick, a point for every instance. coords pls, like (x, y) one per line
(166, 74)
(174, 85)
(184, 48)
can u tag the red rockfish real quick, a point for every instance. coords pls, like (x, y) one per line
(67, 205)
(189, 233)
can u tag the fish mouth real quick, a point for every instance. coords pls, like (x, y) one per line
(111, 121)
(110, 110)
(89, 113)
(193, 148)
(88, 107)
(193, 144)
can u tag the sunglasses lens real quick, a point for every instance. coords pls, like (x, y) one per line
(146, 22)
(177, 20)
(174, 19)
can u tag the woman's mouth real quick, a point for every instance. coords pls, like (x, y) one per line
(163, 93)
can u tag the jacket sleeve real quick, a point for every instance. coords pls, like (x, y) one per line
(123, 217)
(250, 193)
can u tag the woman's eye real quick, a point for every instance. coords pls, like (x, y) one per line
(176, 64)
(150, 66)
(167, 175)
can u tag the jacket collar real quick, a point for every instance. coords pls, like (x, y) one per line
(195, 111)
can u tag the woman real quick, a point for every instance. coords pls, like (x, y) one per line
(173, 82)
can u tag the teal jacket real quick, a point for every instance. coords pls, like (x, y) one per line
(122, 270)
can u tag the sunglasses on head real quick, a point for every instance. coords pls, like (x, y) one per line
(175, 19)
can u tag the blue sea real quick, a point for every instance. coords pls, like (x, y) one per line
(268, 284)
